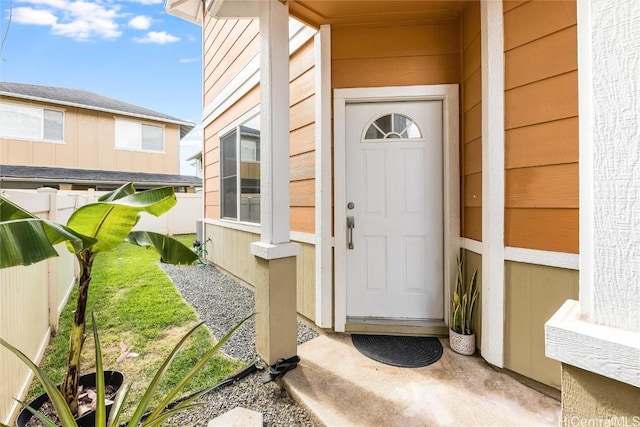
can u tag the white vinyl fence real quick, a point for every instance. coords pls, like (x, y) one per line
(32, 298)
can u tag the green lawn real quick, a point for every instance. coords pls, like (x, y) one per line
(135, 302)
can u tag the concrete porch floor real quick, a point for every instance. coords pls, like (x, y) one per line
(342, 387)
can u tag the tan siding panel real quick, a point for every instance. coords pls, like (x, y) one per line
(532, 295)
(302, 193)
(544, 144)
(87, 146)
(302, 113)
(549, 56)
(473, 157)
(213, 44)
(471, 24)
(213, 87)
(305, 283)
(473, 190)
(398, 41)
(473, 123)
(212, 170)
(543, 229)
(472, 225)
(507, 5)
(212, 212)
(302, 60)
(302, 87)
(551, 99)
(473, 90)
(554, 186)
(303, 139)
(215, 36)
(302, 219)
(537, 19)
(395, 71)
(471, 58)
(302, 166)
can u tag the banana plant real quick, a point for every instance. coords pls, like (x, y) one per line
(464, 300)
(142, 415)
(91, 229)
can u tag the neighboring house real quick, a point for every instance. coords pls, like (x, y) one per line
(74, 139)
(393, 136)
(197, 163)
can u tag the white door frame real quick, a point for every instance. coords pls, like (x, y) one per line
(448, 94)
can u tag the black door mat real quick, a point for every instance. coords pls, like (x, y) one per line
(402, 351)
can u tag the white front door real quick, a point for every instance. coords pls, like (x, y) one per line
(394, 195)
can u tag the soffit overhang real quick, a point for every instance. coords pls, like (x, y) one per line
(333, 12)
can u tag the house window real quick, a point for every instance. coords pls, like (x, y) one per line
(393, 126)
(240, 172)
(28, 122)
(131, 135)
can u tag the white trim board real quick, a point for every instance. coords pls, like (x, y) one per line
(606, 351)
(492, 57)
(324, 265)
(295, 236)
(565, 260)
(448, 94)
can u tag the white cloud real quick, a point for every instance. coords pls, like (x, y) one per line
(187, 60)
(81, 20)
(28, 15)
(140, 22)
(158, 37)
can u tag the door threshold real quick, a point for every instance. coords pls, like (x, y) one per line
(385, 326)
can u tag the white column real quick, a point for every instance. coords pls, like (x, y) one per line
(274, 133)
(492, 292)
(324, 282)
(601, 332)
(274, 125)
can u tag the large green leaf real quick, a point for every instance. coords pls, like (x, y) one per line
(118, 193)
(110, 222)
(30, 240)
(171, 250)
(10, 211)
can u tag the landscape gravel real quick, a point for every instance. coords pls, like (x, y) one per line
(221, 302)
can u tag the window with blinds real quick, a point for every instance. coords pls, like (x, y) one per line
(19, 121)
(131, 135)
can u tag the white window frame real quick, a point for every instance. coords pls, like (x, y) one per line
(235, 126)
(41, 137)
(139, 147)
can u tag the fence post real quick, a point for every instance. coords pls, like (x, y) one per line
(52, 263)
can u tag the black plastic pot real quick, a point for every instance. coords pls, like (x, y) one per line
(113, 378)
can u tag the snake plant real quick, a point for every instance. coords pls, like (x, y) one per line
(465, 297)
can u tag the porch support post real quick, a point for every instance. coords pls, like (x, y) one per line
(275, 254)
(597, 338)
(492, 292)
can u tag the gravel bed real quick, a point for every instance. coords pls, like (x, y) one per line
(221, 302)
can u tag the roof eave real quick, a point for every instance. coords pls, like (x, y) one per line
(94, 108)
(189, 10)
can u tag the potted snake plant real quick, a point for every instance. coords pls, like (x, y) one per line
(96, 227)
(462, 337)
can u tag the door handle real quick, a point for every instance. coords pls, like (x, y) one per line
(350, 226)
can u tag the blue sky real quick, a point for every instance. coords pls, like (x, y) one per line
(130, 50)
